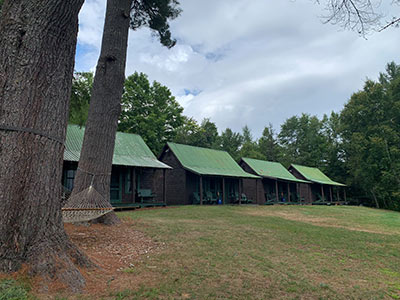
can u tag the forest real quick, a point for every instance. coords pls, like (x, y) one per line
(360, 145)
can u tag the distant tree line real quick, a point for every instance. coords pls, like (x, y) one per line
(359, 146)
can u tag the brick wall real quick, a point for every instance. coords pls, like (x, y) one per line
(175, 179)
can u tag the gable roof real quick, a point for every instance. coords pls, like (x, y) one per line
(270, 169)
(130, 149)
(204, 161)
(315, 175)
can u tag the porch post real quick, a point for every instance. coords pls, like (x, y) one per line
(337, 193)
(201, 190)
(288, 189)
(223, 190)
(344, 192)
(240, 190)
(322, 190)
(330, 191)
(134, 184)
(164, 186)
(257, 191)
(276, 190)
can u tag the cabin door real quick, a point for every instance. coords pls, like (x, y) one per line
(115, 188)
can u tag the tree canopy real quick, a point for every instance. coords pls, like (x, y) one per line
(81, 92)
(155, 15)
(371, 138)
(149, 110)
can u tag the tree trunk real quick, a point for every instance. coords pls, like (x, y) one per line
(37, 49)
(376, 200)
(105, 105)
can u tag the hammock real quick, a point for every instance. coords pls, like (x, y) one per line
(85, 206)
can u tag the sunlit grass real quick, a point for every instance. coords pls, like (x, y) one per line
(270, 252)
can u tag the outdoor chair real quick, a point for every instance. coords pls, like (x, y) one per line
(196, 198)
(211, 199)
(320, 200)
(270, 198)
(145, 195)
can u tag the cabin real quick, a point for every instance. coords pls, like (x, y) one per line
(134, 178)
(276, 183)
(202, 176)
(322, 189)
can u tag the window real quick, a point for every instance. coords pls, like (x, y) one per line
(128, 181)
(69, 179)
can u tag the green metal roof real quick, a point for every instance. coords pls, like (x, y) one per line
(130, 149)
(315, 175)
(204, 161)
(271, 169)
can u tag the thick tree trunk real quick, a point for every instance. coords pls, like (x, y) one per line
(105, 105)
(37, 48)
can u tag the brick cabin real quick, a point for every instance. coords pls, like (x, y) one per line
(134, 171)
(321, 188)
(201, 172)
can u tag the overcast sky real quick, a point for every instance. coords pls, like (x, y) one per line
(254, 62)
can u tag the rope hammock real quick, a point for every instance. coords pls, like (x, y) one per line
(85, 206)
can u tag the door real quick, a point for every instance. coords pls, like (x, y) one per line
(115, 188)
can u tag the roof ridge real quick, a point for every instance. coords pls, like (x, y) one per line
(179, 144)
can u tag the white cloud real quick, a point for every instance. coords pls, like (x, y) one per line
(254, 62)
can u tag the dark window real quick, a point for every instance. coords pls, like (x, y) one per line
(128, 182)
(69, 179)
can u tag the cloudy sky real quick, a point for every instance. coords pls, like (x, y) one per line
(241, 62)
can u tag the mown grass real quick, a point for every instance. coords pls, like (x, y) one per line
(257, 252)
(220, 252)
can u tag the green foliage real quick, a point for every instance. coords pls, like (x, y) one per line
(150, 111)
(12, 290)
(230, 142)
(155, 15)
(249, 147)
(80, 97)
(268, 145)
(334, 158)
(191, 133)
(371, 139)
(303, 141)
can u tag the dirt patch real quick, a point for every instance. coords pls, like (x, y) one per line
(116, 250)
(318, 221)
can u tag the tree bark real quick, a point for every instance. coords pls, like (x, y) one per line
(105, 105)
(376, 200)
(37, 49)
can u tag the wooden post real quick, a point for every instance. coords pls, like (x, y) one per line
(322, 190)
(288, 191)
(223, 190)
(257, 191)
(330, 191)
(164, 186)
(337, 193)
(240, 190)
(277, 190)
(344, 192)
(201, 190)
(134, 184)
(310, 193)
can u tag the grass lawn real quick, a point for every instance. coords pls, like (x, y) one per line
(262, 252)
(258, 252)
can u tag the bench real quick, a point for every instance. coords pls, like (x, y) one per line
(145, 195)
